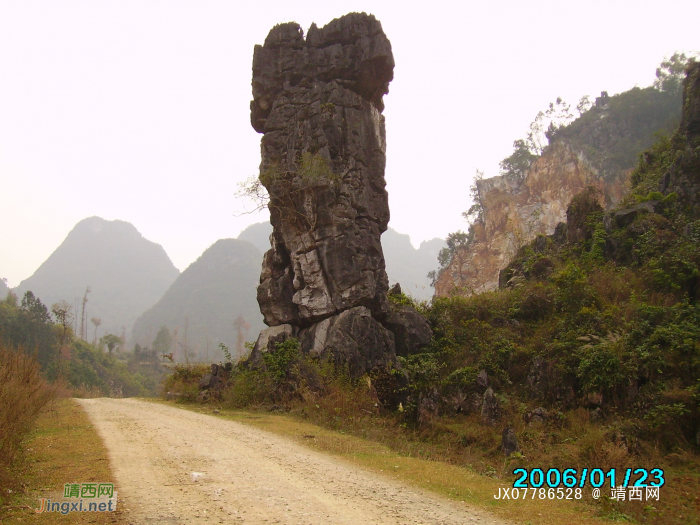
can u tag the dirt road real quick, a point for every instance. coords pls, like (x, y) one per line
(173, 466)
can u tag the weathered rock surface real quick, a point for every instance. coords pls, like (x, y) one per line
(318, 103)
(683, 177)
(353, 339)
(599, 149)
(411, 331)
(269, 337)
(515, 212)
(509, 442)
(490, 409)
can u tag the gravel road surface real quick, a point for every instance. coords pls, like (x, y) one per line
(174, 466)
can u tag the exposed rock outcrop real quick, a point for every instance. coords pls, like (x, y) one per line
(509, 442)
(318, 103)
(683, 177)
(599, 149)
(516, 211)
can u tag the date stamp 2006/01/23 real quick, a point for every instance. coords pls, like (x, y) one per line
(635, 484)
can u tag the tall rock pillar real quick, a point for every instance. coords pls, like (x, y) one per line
(318, 103)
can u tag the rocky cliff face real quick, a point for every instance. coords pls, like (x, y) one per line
(599, 149)
(683, 177)
(515, 212)
(318, 102)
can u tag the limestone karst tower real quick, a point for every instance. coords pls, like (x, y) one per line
(318, 103)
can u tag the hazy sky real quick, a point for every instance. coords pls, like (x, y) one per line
(139, 110)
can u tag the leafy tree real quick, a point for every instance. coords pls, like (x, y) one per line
(35, 308)
(671, 72)
(110, 341)
(518, 163)
(583, 105)
(62, 311)
(97, 322)
(546, 124)
(163, 341)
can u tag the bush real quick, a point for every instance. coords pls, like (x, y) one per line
(23, 393)
(184, 380)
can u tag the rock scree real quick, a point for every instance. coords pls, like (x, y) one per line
(318, 103)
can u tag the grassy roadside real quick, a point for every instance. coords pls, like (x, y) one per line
(453, 482)
(62, 448)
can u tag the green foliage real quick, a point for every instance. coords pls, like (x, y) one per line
(313, 167)
(400, 299)
(280, 361)
(653, 163)
(613, 132)
(29, 327)
(518, 163)
(455, 241)
(226, 352)
(163, 342)
(574, 291)
(111, 341)
(671, 72)
(596, 253)
(605, 365)
(84, 367)
(665, 415)
(35, 308)
(184, 379)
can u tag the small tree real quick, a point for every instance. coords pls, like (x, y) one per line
(35, 308)
(62, 311)
(97, 322)
(110, 340)
(163, 341)
(671, 72)
(518, 163)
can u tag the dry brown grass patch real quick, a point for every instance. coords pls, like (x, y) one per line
(63, 448)
(23, 393)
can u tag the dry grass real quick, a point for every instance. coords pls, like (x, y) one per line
(63, 448)
(23, 393)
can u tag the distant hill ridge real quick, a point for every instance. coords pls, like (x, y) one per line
(126, 273)
(208, 303)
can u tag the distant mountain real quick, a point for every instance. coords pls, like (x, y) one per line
(204, 303)
(3, 289)
(258, 235)
(404, 264)
(409, 267)
(126, 274)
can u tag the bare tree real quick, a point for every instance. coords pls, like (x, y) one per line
(242, 327)
(97, 322)
(83, 316)
(62, 311)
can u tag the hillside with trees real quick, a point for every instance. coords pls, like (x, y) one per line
(559, 156)
(211, 303)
